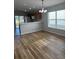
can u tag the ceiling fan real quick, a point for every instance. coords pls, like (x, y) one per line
(42, 10)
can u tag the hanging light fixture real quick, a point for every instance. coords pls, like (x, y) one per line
(42, 10)
(25, 7)
(25, 10)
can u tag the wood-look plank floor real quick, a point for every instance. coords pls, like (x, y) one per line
(39, 45)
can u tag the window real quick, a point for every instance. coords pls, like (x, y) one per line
(60, 19)
(51, 15)
(56, 19)
(21, 19)
(18, 20)
(52, 18)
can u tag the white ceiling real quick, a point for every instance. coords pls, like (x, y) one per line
(34, 4)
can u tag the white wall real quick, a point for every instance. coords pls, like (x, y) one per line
(45, 19)
(31, 27)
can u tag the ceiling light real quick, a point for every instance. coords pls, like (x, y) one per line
(24, 4)
(30, 8)
(25, 10)
(42, 10)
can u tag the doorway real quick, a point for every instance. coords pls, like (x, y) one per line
(17, 29)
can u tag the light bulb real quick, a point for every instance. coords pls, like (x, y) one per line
(25, 10)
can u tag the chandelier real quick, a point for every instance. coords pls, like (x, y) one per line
(42, 10)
